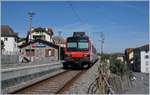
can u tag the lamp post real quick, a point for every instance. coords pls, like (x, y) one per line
(30, 28)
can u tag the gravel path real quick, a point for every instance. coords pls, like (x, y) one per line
(140, 85)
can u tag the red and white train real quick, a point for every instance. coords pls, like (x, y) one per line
(79, 51)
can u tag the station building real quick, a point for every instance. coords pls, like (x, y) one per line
(39, 44)
(38, 49)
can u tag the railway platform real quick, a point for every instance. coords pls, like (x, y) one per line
(18, 76)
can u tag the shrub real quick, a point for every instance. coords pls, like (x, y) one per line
(118, 67)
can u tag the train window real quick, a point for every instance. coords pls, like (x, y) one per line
(72, 44)
(83, 45)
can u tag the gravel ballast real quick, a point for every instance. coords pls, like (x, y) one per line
(82, 84)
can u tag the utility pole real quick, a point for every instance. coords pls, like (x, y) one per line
(59, 33)
(95, 35)
(102, 42)
(30, 28)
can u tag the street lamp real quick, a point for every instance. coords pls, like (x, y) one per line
(30, 28)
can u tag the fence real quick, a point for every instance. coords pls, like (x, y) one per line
(100, 85)
(7, 59)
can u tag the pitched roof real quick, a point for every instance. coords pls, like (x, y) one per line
(22, 39)
(143, 48)
(41, 41)
(6, 31)
(128, 50)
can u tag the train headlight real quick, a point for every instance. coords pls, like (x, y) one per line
(68, 55)
(85, 55)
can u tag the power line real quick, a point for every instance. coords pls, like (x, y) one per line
(102, 38)
(75, 12)
(59, 33)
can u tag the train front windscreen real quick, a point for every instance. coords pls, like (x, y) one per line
(77, 44)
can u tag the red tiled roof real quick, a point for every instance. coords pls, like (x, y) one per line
(7, 31)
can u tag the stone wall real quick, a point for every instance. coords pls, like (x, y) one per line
(92, 81)
(120, 84)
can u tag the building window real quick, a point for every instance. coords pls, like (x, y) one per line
(14, 45)
(147, 69)
(5, 39)
(146, 63)
(146, 51)
(15, 39)
(146, 56)
(49, 52)
(53, 52)
(2, 44)
(35, 37)
(30, 52)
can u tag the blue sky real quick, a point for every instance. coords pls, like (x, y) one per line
(124, 24)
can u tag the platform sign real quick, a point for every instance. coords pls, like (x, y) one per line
(38, 45)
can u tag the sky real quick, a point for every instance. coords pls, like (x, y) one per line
(125, 24)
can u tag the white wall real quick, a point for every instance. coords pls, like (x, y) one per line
(47, 37)
(10, 44)
(145, 62)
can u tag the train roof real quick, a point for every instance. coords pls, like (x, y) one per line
(77, 38)
(79, 34)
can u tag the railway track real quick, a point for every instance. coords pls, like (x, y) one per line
(52, 85)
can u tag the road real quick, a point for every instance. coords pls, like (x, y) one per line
(140, 84)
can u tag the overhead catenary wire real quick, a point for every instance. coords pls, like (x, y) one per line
(75, 13)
